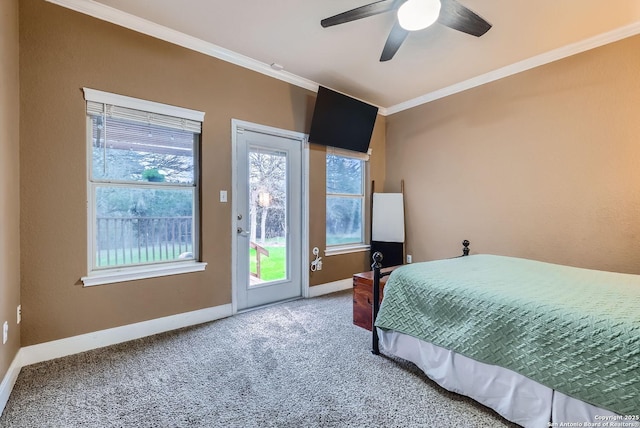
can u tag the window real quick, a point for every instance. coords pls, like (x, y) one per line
(143, 188)
(345, 200)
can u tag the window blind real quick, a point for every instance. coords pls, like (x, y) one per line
(145, 117)
(116, 106)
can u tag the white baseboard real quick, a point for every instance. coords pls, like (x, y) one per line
(72, 345)
(330, 287)
(9, 380)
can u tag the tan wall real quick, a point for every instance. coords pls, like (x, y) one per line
(9, 181)
(63, 51)
(543, 164)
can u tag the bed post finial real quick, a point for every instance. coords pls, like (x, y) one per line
(465, 250)
(377, 260)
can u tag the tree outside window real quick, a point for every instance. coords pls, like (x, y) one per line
(143, 185)
(345, 200)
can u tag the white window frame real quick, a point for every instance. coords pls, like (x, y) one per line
(130, 273)
(332, 250)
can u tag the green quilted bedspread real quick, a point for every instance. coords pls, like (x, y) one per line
(574, 330)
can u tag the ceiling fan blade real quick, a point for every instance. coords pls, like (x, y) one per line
(395, 39)
(365, 11)
(456, 16)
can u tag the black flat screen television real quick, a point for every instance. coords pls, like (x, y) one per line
(341, 121)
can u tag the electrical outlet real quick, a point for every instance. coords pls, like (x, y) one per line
(409, 258)
(5, 332)
(19, 313)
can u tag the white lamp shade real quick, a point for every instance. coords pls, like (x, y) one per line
(415, 15)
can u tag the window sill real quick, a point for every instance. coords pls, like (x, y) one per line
(141, 272)
(346, 249)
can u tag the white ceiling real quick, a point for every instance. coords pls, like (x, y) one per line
(431, 63)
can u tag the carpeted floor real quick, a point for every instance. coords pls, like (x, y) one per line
(297, 364)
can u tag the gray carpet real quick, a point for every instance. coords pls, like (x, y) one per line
(297, 364)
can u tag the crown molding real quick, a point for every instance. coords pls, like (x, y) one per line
(524, 65)
(141, 25)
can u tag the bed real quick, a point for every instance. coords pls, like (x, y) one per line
(542, 344)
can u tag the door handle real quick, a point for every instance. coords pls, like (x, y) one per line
(242, 232)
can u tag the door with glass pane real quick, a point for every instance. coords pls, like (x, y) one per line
(268, 218)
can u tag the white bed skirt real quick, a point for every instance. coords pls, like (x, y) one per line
(515, 397)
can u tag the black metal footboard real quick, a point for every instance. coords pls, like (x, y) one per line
(377, 275)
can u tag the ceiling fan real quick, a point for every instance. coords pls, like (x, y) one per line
(413, 15)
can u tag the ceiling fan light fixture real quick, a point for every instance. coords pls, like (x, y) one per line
(415, 15)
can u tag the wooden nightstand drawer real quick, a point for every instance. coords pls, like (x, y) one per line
(363, 297)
